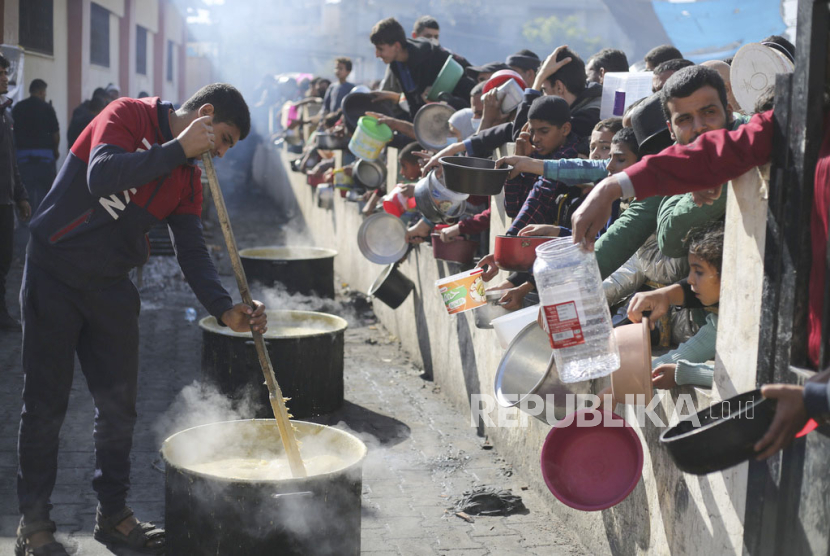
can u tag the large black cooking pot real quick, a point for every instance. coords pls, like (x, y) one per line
(306, 350)
(727, 433)
(476, 176)
(391, 286)
(304, 270)
(207, 514)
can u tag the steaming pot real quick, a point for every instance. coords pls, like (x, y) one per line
(304, 270)
(210, 515)
(306, 349)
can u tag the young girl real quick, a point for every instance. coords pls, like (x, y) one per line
(687, 364)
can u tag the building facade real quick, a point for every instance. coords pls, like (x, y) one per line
(79, 45)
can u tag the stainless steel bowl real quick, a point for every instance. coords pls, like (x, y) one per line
(370, 174)
(528, 368)
(485, 314)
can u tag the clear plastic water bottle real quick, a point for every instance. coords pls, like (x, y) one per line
(576, 314)
(190, 314)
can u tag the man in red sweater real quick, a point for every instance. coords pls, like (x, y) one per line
(714, 158)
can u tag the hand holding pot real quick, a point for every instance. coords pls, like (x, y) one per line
(512, 300)
(449, 233)
(790, 417)
(450, 150)
(522, 165)
(663, 376)
(657, 302)
(547, 230)
(241, 317)
(488, 263)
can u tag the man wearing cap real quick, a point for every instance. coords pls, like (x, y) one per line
(526, 63)
(483, 72)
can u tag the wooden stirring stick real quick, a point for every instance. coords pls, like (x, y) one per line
(295, 461)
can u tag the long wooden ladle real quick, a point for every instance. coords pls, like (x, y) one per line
(295, 461)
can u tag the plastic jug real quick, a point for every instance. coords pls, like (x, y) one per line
(576, 314)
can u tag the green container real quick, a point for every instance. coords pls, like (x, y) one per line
(447, 79)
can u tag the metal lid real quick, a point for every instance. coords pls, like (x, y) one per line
(382, 238)
(753, 69)
(432, 125)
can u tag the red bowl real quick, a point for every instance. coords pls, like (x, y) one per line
(313, 180)
(458, 251)
(592, 468)
(517, 253)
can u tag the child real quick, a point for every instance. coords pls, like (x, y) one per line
(409, 170)
(527, 198)
(336, 92)
(687, 364)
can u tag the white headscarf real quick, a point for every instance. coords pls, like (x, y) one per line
(462, 121)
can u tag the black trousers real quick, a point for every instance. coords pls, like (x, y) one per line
(6, 248)
(101, 327)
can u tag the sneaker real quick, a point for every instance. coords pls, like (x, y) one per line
(8, 322)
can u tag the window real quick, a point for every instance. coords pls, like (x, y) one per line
(36, 26)
(99, 38)
(141, 50)
(170, 46)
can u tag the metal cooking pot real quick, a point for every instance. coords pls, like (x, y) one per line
(476, 176)
(517, 253)
(728, 431)
(355, 105)
(391, 286)
(331, 142)
(305, 270)
(206, 514)
(460, 250)
(426, 205)
(528, 368)
(371, 174)
(306, 348)
(325, 197)
(431, 125)
(485, 314)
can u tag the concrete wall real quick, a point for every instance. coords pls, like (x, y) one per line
(667, 513)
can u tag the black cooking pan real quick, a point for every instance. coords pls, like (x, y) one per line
(391, 287)
(476, 176)
(355, 105)
(727, 433)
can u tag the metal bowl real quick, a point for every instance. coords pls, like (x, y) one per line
(382, 238)
(528, 368)
(331, 142)
(476, 176)
(370, 174)
(355, 106)
(485, 314)
(727, 433)
(431, 125)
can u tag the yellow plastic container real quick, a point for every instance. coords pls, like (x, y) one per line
(369, 138)
(462, 292)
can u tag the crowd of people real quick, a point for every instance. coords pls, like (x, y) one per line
(658, 248)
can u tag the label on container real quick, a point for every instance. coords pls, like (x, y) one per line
(563, 317)
(462, 292)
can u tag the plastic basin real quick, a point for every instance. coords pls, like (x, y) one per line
(592, 468)
(509, 326)
(447, 79)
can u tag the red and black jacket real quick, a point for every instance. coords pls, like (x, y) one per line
(124, 174)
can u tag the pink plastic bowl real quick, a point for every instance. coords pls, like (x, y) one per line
(592, 468)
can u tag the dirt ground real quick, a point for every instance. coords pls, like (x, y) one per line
(423, 452)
